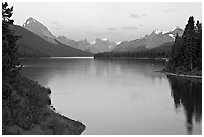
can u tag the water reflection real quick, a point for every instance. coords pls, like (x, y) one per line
(119, 96)
(187, 94)
(45, 69)
(139, 67)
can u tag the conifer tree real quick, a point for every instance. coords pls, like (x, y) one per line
(199, 45)
(179, 51)
(173, 55)
(10, 60)
(190, 44)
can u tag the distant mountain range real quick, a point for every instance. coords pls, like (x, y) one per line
(38, 41)
(153, 40)
(98, 45)
(156, 39)
(101, 45)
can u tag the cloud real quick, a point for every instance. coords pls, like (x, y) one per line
(110, 28)
(129, 28)
(168, 10)
(111, 20)
(106, 33)
(136, 16)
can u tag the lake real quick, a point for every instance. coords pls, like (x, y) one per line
(120, 97)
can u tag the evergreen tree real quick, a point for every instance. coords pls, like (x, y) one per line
(186, 53)
(199, 45)
(10, 61)
(190, 44)
(173, 55)
(177, 55)
(179, 52)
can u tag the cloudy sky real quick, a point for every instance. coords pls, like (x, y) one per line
(117, 21)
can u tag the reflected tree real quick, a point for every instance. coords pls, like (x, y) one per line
(188, 95)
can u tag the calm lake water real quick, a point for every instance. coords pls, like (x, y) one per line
(120, 96)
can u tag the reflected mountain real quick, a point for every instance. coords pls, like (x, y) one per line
(44, 70)
(187, 94)
(141, 67)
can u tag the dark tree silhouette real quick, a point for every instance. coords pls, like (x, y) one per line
(199, 45)
(186, 53)
(10, 62)
(189, 37)
(177, 54)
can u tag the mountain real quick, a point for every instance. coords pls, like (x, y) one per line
(98, 45)
(175, 31)
(32, 45)
(162, 51)
(101, 45)
(68, 42)
(39, 29)
(84, 44)
(153, 40)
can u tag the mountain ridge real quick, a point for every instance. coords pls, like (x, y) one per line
(153, 40)
(39, 29)
(156, 38)
(32, 45)
(100, 45)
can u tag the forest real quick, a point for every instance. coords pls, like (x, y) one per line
(162, 51)
(186, 53)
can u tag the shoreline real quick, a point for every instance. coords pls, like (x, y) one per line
(180, 75)
(139, 58)
(72, 57)
(39, 117)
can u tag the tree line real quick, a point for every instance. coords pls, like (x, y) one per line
(163, 51)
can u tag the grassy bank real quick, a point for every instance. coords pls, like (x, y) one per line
(26, 109)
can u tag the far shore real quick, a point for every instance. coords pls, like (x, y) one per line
(93, 57)
(77, 57)
(139, 58)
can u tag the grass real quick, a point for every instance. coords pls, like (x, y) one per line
(26, 109)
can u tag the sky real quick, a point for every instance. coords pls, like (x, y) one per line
(117, 21)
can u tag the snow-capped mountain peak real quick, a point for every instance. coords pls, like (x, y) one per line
(149, 41)
(157, 31)
(171, 35)
(104, 39)
(177, 27)
(118, 42)
(29, 20)
(93, 42)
